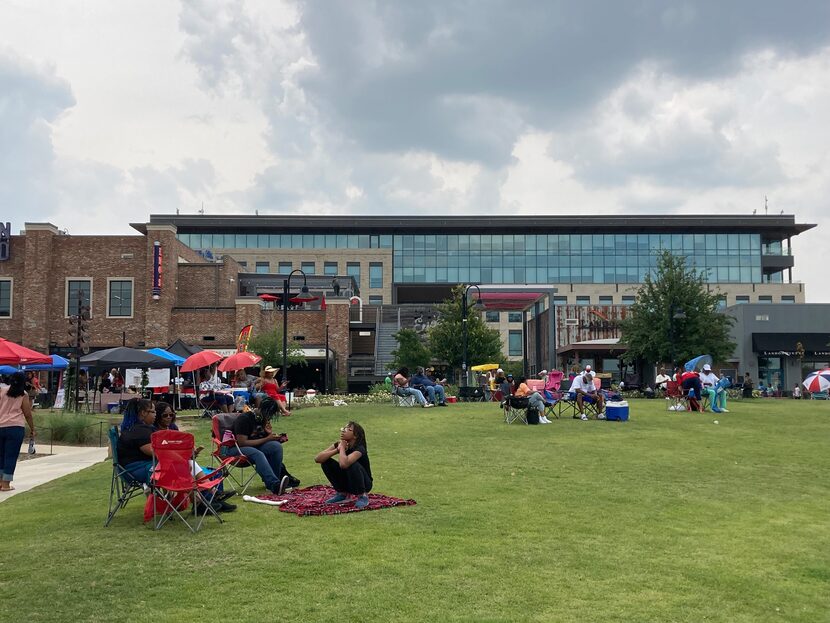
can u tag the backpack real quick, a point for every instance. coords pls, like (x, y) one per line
(532, 415)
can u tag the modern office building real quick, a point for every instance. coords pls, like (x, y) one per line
(554, 284)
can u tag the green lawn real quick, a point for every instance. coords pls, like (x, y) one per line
(667, 517)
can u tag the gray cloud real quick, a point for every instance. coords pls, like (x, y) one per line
(31, 99)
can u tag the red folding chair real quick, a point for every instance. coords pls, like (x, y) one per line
(219, 424)
(174, 484)
(675, 394)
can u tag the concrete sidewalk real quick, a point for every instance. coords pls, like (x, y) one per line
(64, 460)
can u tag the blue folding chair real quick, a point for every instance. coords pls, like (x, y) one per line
(123, 487)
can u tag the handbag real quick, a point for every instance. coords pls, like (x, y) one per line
(31, 449)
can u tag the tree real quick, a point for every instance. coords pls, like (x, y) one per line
(675, 317)
(268, 345)
(411, 351)
(483, 343)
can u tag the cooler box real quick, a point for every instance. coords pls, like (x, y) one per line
(452, 399)
(616, 411)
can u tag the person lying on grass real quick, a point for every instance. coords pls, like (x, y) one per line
(350, 473)
(135, 452)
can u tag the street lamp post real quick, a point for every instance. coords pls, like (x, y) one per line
(464, 331)
(304, 296)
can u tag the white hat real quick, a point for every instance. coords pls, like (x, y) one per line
(500, 370)
(541, 372)
(588, 368)
(707, 368)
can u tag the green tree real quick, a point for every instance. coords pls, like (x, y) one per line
(675, 316)
(268, 345)
(483, 343)
(412, 351)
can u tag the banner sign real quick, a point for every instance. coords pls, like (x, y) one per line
(5, 240)
(244, 338)
(157, 257)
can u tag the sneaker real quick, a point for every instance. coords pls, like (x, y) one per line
(441, 404)
(583, 417)
(724, 410)
(337, 498)
(427, 405)
(293, 482)
(282, 486)
(225, 507)
(601, 416)
(362, 501)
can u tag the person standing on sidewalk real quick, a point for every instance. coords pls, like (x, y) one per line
(15, 411)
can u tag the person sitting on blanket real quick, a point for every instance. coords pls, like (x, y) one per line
(350, 473)
(263, 448)
(583, 387)
(534, 399)
(135, 452)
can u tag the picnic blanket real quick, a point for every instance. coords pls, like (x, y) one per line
(312, 501)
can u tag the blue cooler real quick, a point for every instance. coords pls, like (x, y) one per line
(617, 411)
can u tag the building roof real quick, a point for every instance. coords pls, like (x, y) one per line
(780, 225)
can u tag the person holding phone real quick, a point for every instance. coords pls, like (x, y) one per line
(346, 464)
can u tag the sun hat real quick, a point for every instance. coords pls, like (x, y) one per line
(271, 369)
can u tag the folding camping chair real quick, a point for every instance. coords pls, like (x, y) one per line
(173, 482)
(470, 394)
(123, 487)
(208, 403)
(402, 400)
(552, 392)
(223, 439)
(515, 409)
(676, 396)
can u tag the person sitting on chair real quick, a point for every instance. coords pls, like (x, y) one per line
(402, 387)
(709, 381)
(350, 473)
(209, 383)
(262, 447)
(661, 380)
(166, 418)
(534, 399)
(584, 388)
(267, 387)
(435, 391)
(690, 381)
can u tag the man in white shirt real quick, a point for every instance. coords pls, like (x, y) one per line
(709, 380)
(583, 386)
(662, 379)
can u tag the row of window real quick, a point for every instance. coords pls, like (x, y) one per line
(286, 241)
(78, 292)
(494, 316)
(329, 268)
(567, 244)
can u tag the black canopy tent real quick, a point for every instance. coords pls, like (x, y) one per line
(182, 349)
(123, 357)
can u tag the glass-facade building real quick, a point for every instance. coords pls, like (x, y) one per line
(391, 257)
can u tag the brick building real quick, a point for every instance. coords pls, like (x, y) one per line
(197, 301)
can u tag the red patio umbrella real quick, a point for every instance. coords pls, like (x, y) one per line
(239, 361)
(12, 354)
(200, 360)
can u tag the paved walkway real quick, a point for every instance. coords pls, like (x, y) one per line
(64, 460)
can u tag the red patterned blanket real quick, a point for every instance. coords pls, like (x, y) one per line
(311, 501)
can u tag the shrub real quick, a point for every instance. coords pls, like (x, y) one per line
(68, 428)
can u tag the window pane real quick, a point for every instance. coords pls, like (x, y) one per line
(263, 267)
(491, 316)
(73, 288)
(121, 298)
(286, 267)
(514, 343)
(308, 268)
(514, 317)
(375, 275)
(6, 298)
(330, 268)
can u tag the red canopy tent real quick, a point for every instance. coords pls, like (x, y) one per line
(12, 354)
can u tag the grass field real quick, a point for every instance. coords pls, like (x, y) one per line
(668, 517)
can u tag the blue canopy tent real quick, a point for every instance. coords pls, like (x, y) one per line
(58, 363)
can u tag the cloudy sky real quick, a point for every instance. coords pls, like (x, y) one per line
(111, 111)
